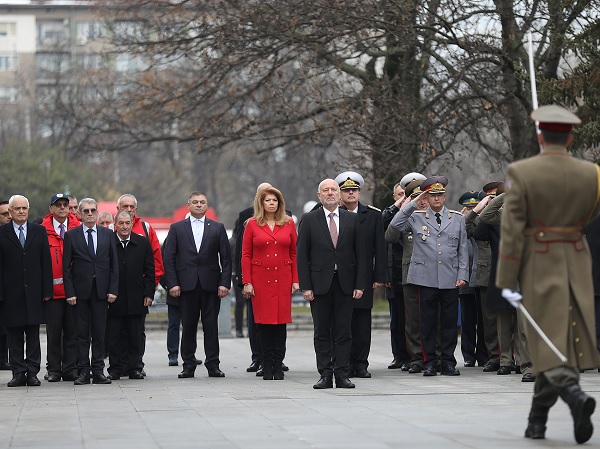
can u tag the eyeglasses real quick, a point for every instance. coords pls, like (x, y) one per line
(61, 205)
(89, 211)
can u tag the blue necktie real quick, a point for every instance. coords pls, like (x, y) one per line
(91, 243)
(21, 236)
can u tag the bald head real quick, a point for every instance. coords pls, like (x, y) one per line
(263, 186)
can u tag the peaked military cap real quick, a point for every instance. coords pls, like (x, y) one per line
(414, 176)
(435, 184)
(491, 187)
(470, 198)
(413, 189)
(350, 180)
(555, 118)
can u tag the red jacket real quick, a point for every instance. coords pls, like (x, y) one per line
(269, 264)
(138, 228)
(56, 252)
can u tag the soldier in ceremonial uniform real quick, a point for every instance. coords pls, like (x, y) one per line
(439, 267)
(370, 229)
(550, 198)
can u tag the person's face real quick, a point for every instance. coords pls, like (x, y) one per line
(105, 221)
(73, 207)
(329, 194)
(60, 210)
(4, 214)
(436, 201)
(198, 205)
(123, 227)
(89, 214)
(270, 203)
(19, 211)
(350, 197)
(398, 193)
(128, 205)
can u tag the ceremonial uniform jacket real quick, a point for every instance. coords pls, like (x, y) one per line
(484, 253)
(440, 254)
(551, 197)
(393, 235)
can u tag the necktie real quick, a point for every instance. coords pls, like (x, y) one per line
(125, 242)
(21, 236)
(333, 229)
(438, 218)
(91, 243)
(62, 230)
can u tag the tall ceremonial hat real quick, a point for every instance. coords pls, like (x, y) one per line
(491, 187)
(414, 176)
(469, 199)
(413, 188)
(350, 180)
(555, 118)
(58, 196)
(435, 184)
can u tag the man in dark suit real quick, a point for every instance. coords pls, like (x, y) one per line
(136, 290)
(332, 273)
(370, 226)
(4, 365)
(91, 278)
(25, 282)
(197, 260)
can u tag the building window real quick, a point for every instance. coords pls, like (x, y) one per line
(126, 62)
(52, 33)
(9, 95)
(8, 29)
(87, 31)
(90, 61)
(8, 63)
(51, 63)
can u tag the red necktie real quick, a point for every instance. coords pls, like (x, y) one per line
(333, 229)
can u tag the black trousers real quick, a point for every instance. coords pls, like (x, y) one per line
(332, 315)
(91, 322)
(125, 343)
(253, 335)
(3, 345)
(60, 333)
(20, 337)
(472, 342)
(240, 304)
(432, 300)
(196, 304)
(273, 338)
(361, 339)
(397, 324)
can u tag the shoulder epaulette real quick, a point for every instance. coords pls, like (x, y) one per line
(454, 211)
(374, 208)
(419, 211)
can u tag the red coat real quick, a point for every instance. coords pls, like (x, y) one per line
(269, 264)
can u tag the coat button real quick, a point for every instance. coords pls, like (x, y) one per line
(275, 280)
(267, 255)
(276, 243)
(275, 267)
(577, 340)
(275, 255)
(581, 354)
(439, 261)
(574, 323)
(440, 253)
(540, 234)
(268, 268)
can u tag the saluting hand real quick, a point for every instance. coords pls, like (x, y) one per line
(484, 202)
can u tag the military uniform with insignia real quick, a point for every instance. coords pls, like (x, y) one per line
(543, 252)
(439, 265)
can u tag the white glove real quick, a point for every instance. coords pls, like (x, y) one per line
(513, 297)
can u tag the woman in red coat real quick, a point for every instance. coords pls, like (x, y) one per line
(270, 276)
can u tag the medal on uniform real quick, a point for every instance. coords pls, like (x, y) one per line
(423, 237)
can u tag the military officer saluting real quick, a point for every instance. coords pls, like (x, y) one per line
(439, 266)
(550, 198)
(370, 229)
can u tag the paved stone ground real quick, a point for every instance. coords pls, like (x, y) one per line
(392, 410)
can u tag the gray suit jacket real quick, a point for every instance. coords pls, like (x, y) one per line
(440, 253)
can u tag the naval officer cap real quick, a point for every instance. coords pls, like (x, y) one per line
(555, 118)
(413, 188)
(350, 180)
(58, 196)
(435, 184)
(469, 199)
(491, 187)
(414, 176)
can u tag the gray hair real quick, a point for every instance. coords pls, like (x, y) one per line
(127, 195)
(12, 199)
(88, 200)
(123, 212)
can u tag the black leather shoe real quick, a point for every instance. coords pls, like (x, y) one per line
(449, 370)
(343, 382)
(186, 373)
(351, 373)
(415, 369)
(215, 372)
(53, 378)
(33, 381)
(284, 367)
(469, 363)
(396, 364)
(504, 370)
(535, 431)
(198, 362)
(239, 334)
(254, 367)
(83, 379)
(490, 367)
(430, 371)
(69, 377)
(323, 383)
(136, 375)
(46, 375)
(528, 377)
(100, 379)
(260, 371)
(18, 380)
(362, 374)
(405, 366)
(114, 376)
(4, 366)
(173, 362)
